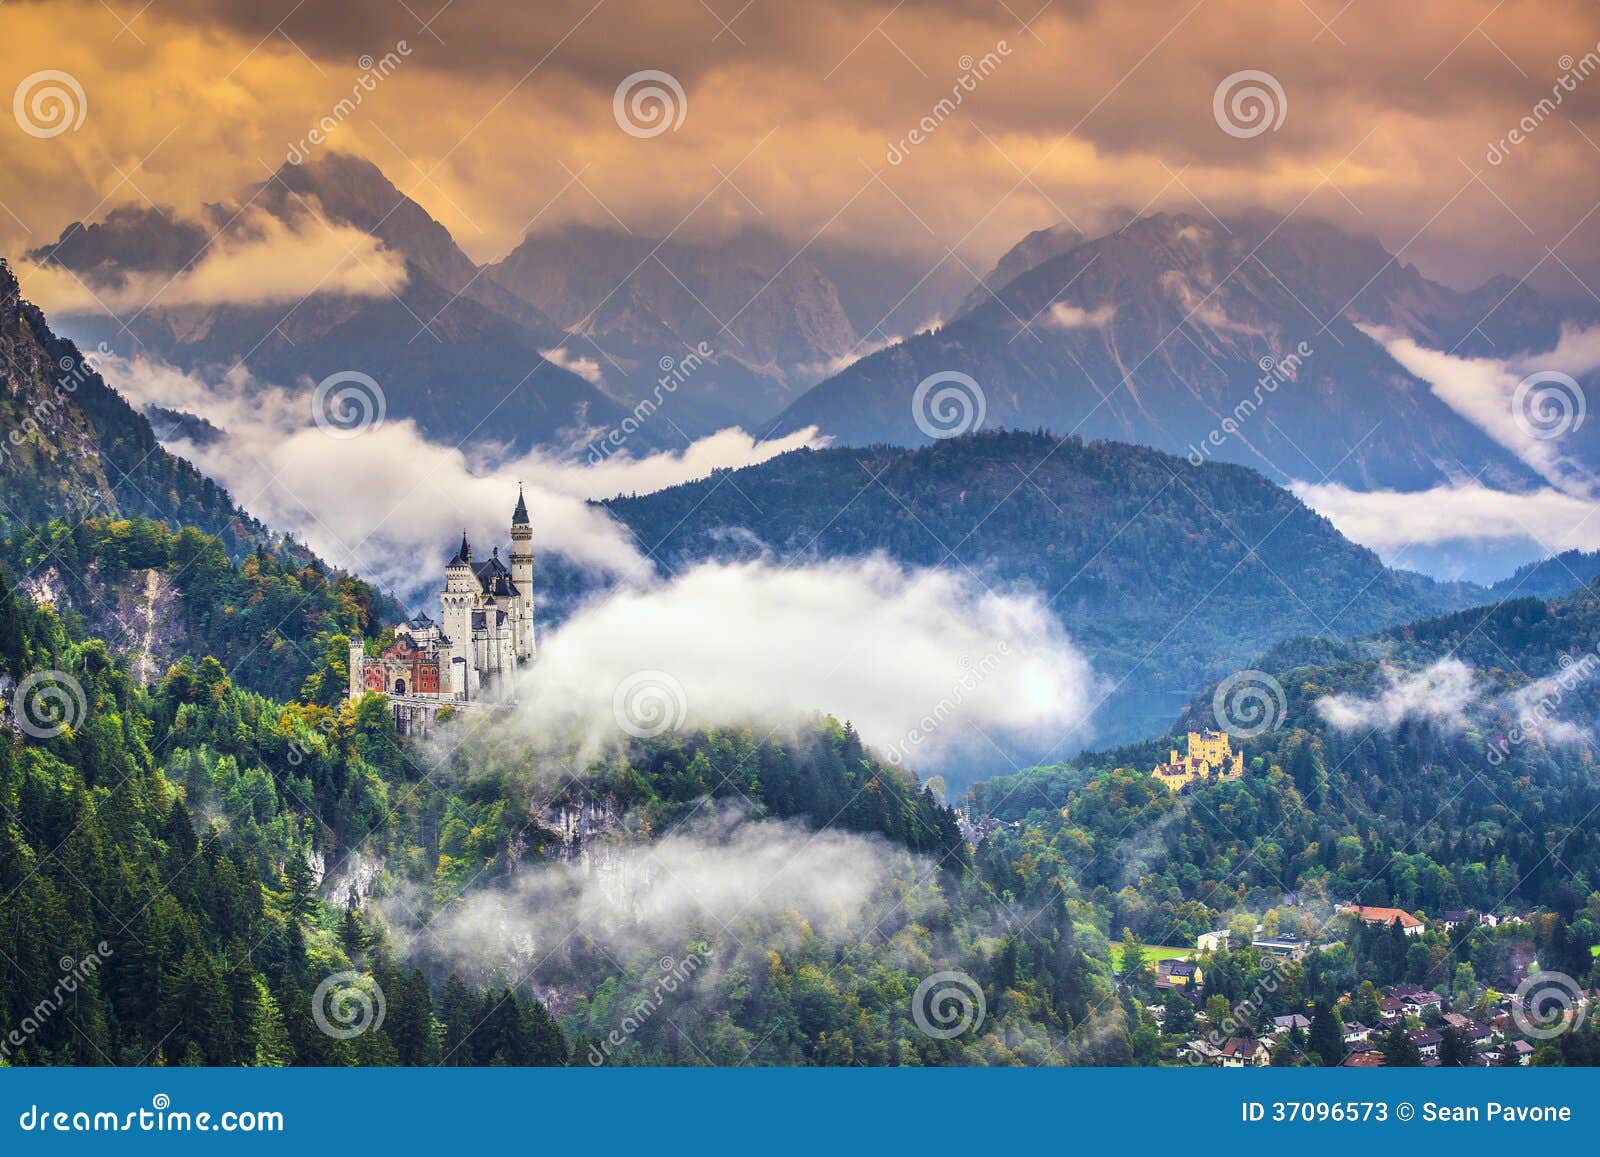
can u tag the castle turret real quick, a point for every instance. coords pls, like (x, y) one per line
(522, 576)
(455, 620)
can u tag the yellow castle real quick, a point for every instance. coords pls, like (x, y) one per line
(1211, 759)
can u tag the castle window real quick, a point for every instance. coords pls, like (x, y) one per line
(399, 686)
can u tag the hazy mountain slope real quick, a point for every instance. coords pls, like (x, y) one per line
(1157, 332)
(770, 316)
(449, 348)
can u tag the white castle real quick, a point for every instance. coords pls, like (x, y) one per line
(471, 656)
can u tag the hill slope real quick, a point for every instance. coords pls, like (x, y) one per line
(1167, 574)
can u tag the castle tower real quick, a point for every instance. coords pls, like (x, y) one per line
(357, 657)
(522, 576)
(455, 619)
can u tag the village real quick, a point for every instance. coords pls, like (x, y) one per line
(1500, 1023)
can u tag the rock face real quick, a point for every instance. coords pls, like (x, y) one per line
(141, 615)
(1157, 333)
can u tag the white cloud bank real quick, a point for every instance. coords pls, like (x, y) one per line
(926, 664)
(1440, 693)
(259, 260)
(1389, 520)
(388, 503)
(720, 880)
(1563, 515)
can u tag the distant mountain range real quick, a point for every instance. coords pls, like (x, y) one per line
(1166, 574)
(549, 346)
(1153, 333)
(1156, 332)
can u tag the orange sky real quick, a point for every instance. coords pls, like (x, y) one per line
(499, 118)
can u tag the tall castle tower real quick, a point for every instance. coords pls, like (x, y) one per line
(522, 576)
(455, 605)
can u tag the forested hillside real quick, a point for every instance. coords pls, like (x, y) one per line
(1165, 573)
(1444, 765)
(158, 595)
(73, 448)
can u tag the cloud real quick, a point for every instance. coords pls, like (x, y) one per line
(805, 93)
(586, 368)
(260, 260)
(720, 879)
(1064, 316)
(1441, 693)
(1484, 391)
(388, 503)
(926, 664)
(1390, 520)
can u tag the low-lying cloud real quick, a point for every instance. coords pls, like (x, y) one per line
(389, 503)
(718, 880)
(1390, 520)
(259, 260)
(1440, 693)
(928, 665)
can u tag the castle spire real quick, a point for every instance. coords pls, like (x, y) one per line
(464, 554)
(519, 517)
